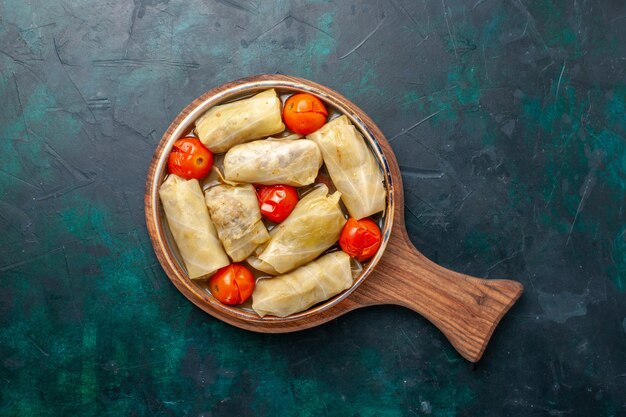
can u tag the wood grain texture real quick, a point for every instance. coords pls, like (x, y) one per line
(465, 309)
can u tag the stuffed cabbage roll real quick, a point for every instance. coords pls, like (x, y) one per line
(306, 286)
(226, 125)
(235, 213)
(352, 167)
(274, 161)
(191, 227)
(311, 228)
(256, 263)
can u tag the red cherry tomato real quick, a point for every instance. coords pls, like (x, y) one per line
(304, 113)
(232, 284)
(190, 159)
(360, 238)
(276, 201)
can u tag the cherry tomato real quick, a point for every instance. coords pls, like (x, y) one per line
(232, 284)
(360, 238)
(304, 113)
(190, 158)
(276, 201)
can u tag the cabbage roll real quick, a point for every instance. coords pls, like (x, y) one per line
(352, 167)
(256, 263)
(191, 226)
(313, 226)
(235, 213)
(226, 125)
(306, 286)
(274, 161)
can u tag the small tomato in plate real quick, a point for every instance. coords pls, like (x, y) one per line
(304, 113)
(232, 284)
(360, 238)
(189, 158)
(276, 201)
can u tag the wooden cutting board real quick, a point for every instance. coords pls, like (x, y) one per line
(464, 308)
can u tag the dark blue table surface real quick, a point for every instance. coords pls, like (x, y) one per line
(507, 119)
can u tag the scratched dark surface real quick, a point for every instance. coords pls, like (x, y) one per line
(507, 117)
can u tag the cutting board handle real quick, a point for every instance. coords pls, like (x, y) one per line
(466, 309)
